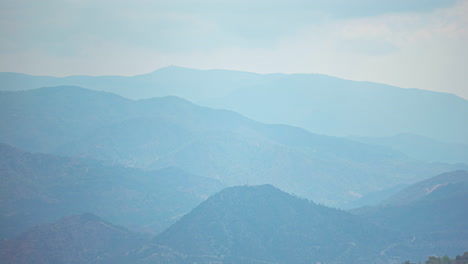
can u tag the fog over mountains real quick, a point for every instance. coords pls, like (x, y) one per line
(223, 145)
(41, 188)
(319, 103)
(189, 166)
(421, 148)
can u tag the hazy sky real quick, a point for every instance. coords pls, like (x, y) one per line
(407, 43)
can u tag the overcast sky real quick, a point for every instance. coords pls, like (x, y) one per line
(407, 43)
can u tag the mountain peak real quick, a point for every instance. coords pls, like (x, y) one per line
(83, 218)
(247, 223)
(253, 195)
(252, 188)
(174, 68)
(167, 70)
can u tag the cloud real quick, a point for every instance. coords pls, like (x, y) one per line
(405, 43)
(179, 24)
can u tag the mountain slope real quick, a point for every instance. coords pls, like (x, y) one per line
(223, 145)
(40, 188)
(319, 103)
(421, 148)
(431, 189)
(261, 224)
(416, 208)
(73, 239)
(432, 211)
(333, 106)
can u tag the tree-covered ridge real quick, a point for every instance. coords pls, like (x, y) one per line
(239, 225)
(262, 223)
(459, 259)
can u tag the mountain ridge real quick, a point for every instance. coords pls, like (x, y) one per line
(322, 104)
(220, 144)
(181, 68)
(39, 188)
(157, 133)
(250, 224)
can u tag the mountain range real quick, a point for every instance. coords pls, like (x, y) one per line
(252, 224)
(151, 169)
(319, 103)
(223, 145)
(262, 224)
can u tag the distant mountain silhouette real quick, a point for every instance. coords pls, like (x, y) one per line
(261, 224)
(432, 211)
(73, 239)
(319, 103)
(169, 131)
(41, 188)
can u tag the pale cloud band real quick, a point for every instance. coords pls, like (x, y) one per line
(408, 43)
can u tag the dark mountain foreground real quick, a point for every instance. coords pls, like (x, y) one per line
(239, 225)
(261, 224)
(459, 259)
(73, 239)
